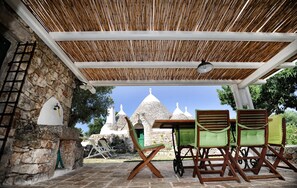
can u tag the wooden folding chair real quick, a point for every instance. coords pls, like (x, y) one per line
(146, 160)
(277, 139)
(213, 132)
(252, 132)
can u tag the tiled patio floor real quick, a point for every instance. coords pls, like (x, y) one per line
(114, 173)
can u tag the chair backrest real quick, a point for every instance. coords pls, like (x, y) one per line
(133, 135)
(251, 129)
(277, 130)
(185, 137)
(92, 142)
(104, 144)
(212, 128)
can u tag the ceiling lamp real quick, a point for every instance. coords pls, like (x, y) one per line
(204, 67)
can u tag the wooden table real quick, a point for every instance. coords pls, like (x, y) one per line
(177, 123)
(174, 123)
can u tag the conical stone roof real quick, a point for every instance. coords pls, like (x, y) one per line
(189, 116)
(178, 114)
(121, 122)
(149, 110)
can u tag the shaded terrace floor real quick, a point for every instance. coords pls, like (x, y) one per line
(114, 173)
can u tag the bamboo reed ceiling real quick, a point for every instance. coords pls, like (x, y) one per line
(165, 74)
(167, 15)
(266, 16)
(215, 51)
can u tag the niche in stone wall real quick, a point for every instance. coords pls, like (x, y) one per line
(51, 113)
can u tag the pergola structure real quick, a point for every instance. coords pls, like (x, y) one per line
(160, 42)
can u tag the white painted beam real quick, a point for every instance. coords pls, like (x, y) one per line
(275, 61)
(34, 24)
(168, 82)
(174, 64)
(173, 35)
(236, 96)
(242, 97)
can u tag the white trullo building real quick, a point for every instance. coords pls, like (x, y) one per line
(148, 111)
(178, 114)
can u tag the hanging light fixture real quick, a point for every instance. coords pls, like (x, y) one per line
(204, 67)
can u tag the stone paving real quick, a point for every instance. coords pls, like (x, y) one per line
(114, 172)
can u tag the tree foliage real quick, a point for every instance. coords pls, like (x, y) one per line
(86, 106)
(291, 117)
(95, 127)
(291, 122)
(278, 94)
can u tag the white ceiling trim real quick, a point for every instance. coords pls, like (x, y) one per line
(169, 82)
(275, 61)
(172, 35)
(174, 64)
(34, 24)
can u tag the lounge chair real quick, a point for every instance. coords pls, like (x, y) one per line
(106, 147)
(277, 139)
(146, 160)
(213, 132)
(96, 150)
(252, 133)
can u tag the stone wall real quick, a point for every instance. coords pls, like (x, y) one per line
(290, 153)
(47, 77)
(31, 151)
(35, 153)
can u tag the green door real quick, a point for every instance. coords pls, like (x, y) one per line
(140, 136)
(141, 139)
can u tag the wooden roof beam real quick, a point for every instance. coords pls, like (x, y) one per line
(174, 64)
(168, 82)
(275, 61)
(34, 24)
(173, 35)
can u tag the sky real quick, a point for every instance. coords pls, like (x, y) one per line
(192, 97)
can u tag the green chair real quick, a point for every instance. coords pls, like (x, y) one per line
(252, 133)
(277, 138)
(212, 131)
(185, 140)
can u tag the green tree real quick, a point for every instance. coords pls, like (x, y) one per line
(86, 106)
(278, 94)
(95, 127)
(291, 134)
(226, 96)
(291, 117)
(291, 126)
(81, 132)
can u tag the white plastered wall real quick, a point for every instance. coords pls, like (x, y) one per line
(51, 113)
